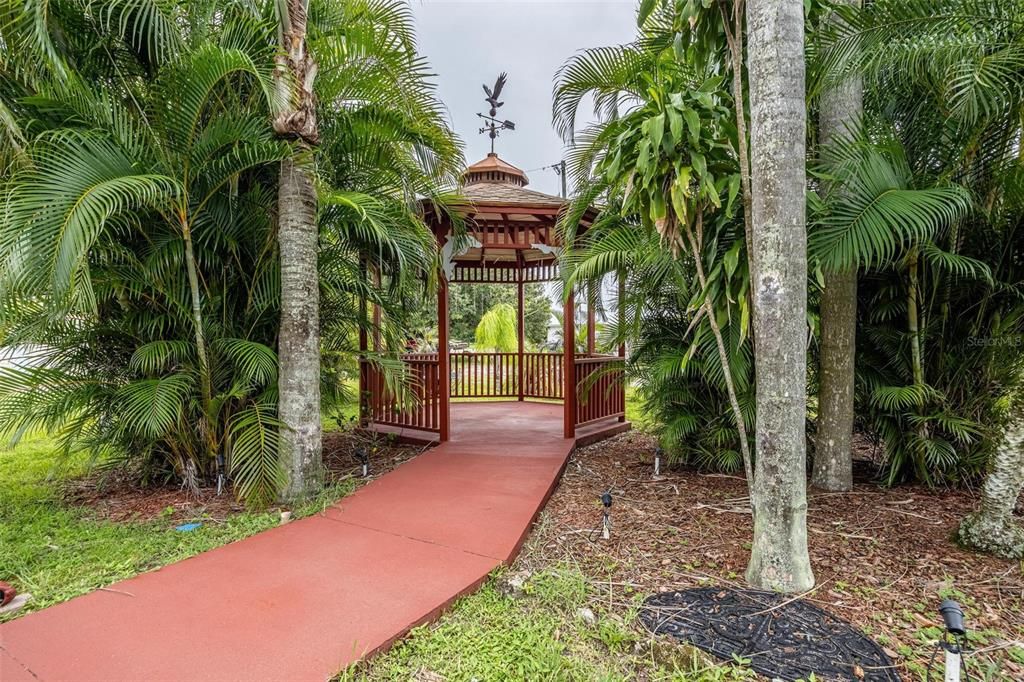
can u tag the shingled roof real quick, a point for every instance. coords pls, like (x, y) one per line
(492, 180)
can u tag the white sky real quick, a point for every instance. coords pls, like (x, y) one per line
(469, 42)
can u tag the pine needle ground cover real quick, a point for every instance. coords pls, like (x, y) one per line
(66, 529)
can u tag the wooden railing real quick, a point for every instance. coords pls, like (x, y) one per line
(543, 375)
(417, 405)
(484, 375)
(600, 385)
(600, 388)
(496, 375)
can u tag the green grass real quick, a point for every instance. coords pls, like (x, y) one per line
(537, 635)
(56, 552)
(634, 410)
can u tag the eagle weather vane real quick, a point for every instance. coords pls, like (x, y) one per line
(492, 125)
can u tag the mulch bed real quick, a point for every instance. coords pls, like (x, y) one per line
(880, 556)
(117, 495)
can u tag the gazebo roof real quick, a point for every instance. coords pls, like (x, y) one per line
(514, 227)
(493, 193)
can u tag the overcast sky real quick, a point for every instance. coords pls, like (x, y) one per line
(469, 42)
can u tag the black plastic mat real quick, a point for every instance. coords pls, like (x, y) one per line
(779, 639)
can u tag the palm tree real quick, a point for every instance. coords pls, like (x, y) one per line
(778, 557)
(299, 335)
(947, 74)
(137, 246)
(667, 167)
(840, 109)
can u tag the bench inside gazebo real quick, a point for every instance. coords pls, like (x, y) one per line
(510, 238)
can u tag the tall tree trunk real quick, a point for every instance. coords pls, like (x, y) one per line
(839, 109)
(833, 456)
(992, 528)
(299, 334)
(913, 321)
(734, 38)
(775, 63)
(205, 383)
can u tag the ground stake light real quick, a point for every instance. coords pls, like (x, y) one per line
(364, 458)
(606, 518)
(220, 473)
(951, 642)
(657, 461)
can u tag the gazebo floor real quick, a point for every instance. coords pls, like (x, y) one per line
(305, 600)
(531, 419)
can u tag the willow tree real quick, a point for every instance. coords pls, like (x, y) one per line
(775, 62)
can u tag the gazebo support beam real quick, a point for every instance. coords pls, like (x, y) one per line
(569, 370)
(622, 331)
(443, 358)
(521, 327)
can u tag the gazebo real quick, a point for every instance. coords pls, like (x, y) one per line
(511, 239)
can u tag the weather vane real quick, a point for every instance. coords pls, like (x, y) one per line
(492, 125)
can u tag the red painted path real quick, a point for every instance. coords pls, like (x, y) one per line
(302, 601)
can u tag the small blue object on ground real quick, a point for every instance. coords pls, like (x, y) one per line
(185, 527)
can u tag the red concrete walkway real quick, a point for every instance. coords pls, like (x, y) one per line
(302, 601)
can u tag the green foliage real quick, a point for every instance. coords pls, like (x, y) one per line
(56, 551)
(138, 248)
(497, 330)
(668, 169)
(536, 635)
(469, 302)
(944, 102)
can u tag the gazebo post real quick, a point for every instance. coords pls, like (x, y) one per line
(444, 374)
(622, 344)
(521, 324)
(569, 370)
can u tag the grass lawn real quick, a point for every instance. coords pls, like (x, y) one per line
(550, 628)
(56, 551)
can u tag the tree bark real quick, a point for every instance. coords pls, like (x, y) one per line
(775, 63)
(205, 382)
(992, 528)
(833, 457)
(734, 38)
(839, 109)
(297, 234)
(299, 336)
(913, 322)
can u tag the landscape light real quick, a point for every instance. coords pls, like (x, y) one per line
(606, 519)
(951, 642)
(657, 461)
(220, 472)
(364, 458)
(953, 617)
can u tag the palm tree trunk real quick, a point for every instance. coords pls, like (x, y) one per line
(775, 62)
(839, 109)
(297, 234)
(205, 382)
(913, 324)
(833, 456)
(734, 37)
(992, 528)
